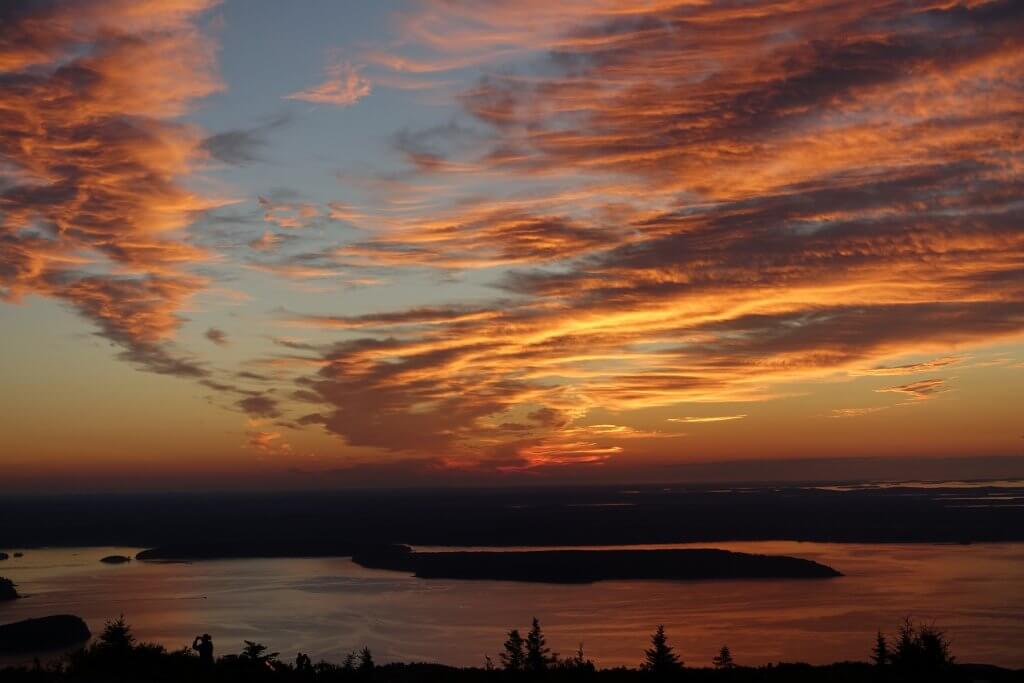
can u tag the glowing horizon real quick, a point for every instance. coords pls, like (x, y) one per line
(457, 242)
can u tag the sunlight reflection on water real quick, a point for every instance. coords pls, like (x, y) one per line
(327, 607)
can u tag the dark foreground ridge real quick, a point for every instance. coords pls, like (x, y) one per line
(46, 633)
(918, 654)
(587, 566)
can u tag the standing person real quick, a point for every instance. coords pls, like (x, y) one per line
(204, 646)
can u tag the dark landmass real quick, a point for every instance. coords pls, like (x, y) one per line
(19, 554)
(587, 566)
(115, 559)
(3, 556)
(46, 633)
(7, 591)
(292, 525)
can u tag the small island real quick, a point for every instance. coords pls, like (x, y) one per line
(588, 566)
(115, 559)
(46, 633)
(4, 556)
(7, 590)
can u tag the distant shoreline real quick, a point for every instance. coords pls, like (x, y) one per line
(339, 523)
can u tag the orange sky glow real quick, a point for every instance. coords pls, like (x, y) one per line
(465, 242)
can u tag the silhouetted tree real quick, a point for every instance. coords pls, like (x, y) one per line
(365, 659)
(724, 659)
(256, 653)
(117, 635)
(349, 663)
(906, 648)
(921, 652)
(935, 652)
(659, 658)
(880, 653)
(538, 654)
(488, 663)
(514, 656)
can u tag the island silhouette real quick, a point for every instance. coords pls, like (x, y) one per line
(587, 566)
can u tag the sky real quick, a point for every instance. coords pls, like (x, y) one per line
(325, 243)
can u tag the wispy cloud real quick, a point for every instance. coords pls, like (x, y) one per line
(913, 368)
(343, 86)
(697, 420)
(924, 389)
(856, 412)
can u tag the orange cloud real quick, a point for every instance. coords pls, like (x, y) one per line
(856, 412)
(717, 207)
(94, 164)
(912, 368)
(924, 389)
(264, 441)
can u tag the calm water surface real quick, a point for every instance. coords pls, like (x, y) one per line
(327, 607)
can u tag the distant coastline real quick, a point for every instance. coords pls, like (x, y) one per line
(322, 524)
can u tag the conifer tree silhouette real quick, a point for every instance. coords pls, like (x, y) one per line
(117, 635)
(538, 655)
(365, 661)
(724, 659)
(659, 658)
(880, 653)
(514, 656)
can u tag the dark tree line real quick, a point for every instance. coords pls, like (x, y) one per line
(920, 651)
(917, 654)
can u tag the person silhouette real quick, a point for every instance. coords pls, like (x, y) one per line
(204, 646)
(302, 662)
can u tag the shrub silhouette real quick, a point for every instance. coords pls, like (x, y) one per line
(256, 653)
(578, 664)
